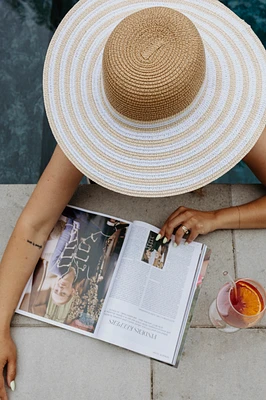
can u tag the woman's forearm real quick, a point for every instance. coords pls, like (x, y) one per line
(52, 193)
(19, 260)
(246, 216)
(195, 222)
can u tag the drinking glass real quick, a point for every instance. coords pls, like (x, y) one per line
(239, 304)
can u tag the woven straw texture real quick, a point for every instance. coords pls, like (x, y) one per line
(165, 157)
(153, 64)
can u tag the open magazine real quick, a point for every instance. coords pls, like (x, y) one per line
(111, 280)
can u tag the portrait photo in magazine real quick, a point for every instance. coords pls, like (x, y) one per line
(73, 275)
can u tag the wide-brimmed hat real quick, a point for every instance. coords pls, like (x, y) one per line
(154, 99)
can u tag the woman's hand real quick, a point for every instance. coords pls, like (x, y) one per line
(194, 221)
(8, 358)
(51, 195)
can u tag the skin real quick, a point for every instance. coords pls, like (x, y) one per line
(52, 193)
(246, 216)
(63, 289)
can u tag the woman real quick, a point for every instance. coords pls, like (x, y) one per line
(179, 164)
(246, 216)
(21, 256)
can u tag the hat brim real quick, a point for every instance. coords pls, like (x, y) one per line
(170, 156)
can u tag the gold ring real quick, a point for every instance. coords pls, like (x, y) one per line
(185, 229)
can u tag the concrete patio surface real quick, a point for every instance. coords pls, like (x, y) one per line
(56, 364)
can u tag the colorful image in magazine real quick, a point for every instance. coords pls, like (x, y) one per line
(155, 252)
(73, 275)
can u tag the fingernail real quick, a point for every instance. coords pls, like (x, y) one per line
(13, 386)
(165, 240)
(158, 237)
(186, 243)
(175, 244)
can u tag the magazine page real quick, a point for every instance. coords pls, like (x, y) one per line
(71, 279)
(150, 292)
(191, 305)
(25, 297)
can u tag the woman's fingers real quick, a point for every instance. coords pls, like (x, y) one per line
(191, 235)
(3, 395)
(176, 220)
(180, 233)
(11, 371)
(8, 359)
(185, 221)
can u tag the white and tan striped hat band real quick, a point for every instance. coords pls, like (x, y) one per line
(154, 99)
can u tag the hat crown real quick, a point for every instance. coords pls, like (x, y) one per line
(153, 64)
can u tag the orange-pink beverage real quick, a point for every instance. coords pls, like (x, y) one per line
(243, 305)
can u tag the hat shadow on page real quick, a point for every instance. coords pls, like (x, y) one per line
(155, 101)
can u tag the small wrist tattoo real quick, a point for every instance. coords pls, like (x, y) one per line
(34, 244)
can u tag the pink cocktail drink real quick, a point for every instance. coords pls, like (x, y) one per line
(242, 305)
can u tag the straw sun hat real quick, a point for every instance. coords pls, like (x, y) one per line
(151, 98)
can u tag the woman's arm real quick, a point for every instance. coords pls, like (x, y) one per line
(246, 216)
(52, 193)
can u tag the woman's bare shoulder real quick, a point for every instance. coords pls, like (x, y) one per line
(256, 158)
